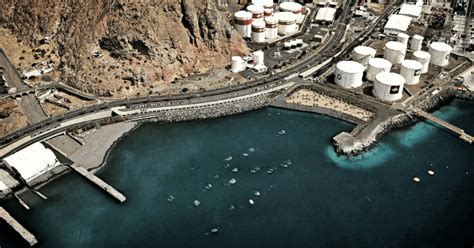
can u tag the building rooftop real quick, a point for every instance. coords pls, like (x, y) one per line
(410, 10)
(397, 23)
(326, 14)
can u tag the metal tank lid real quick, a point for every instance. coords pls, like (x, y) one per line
(380, 63)
(412, 64)
(258, 24)
(350, 66)
(286, 16)
(422, 54)
(395, 45)
(390, 78)
(365, 50)
(244, 15)
(291, 6)
(271, 19)
(264, 3)
(418, 37)
(441, 46)
(255, 8)
(403, 35)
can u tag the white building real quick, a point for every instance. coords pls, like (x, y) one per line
(325, 15)
(397, 24)
(411, 10)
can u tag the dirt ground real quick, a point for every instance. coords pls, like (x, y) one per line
(11, 116)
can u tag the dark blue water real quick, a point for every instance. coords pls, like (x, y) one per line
(319, 200)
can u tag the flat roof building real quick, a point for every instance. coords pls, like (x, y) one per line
(397, 24)
(410, 10)
(325, 15)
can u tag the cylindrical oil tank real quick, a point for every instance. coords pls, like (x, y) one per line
(258, 58)
(286, 23)
(388, 86)
(403, 38)
(271, 23)
(257, 12)
(394, 52)
(349, 74)
(267, 4)
(258, 31)
(295, 8)
(416, 43)
(268, 12)
(424, 58)
(363, 54)
(243, 22)
(440, 53)
(377, 65)
(237, 64)
(411, 71)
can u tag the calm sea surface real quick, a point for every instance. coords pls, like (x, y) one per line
(304, 195)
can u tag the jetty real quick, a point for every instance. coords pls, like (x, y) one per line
(99, 182)
(463, 135)
(30, 238)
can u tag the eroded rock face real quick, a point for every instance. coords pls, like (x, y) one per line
(126, 47)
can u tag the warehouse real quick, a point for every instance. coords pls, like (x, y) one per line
(325, 15)
(397, 24)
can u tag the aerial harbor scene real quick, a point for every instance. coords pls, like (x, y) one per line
(237, 123)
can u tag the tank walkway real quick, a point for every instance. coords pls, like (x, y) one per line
(464, 136)
(30, 238)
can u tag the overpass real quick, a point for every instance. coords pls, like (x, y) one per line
(464, 136)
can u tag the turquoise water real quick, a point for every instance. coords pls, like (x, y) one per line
(317, 200)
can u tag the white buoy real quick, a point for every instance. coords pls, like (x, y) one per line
(424, 58)
(431, 173)
(377, 65)
(416, 42)
(237, 64)
(243, 22)
(271, 23)
(197, 203)
(440, 52)
(403, 38)
(394, 52)
(416, 179)
(251, 202)
(363, 54)
(258, 31)
(258, 12)
(388, 86)
(232, 181)
(286, 23)
(411, 71)
(349, 74)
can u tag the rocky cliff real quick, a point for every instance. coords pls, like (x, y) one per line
(118, 47)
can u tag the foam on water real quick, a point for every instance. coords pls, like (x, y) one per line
(375, 157)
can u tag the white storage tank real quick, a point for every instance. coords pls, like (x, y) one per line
(243, 22)
(295, 8)
(349, 74)
(257, 12)
(258, 58)
(363, 54)
(237, 64)
(411, 71)
(271, 23)
(377, 65)
(286, 23)
(424, 58)
(394, 52)
(416, 42)
(403, 38)
(440, 53)
(258, 31)
(266, 4)
(388, 86)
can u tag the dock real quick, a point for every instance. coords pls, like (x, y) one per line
(30, 238)
(462, 135)
(99, 182)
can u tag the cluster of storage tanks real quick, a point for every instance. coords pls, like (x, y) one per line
(260, 21)
(388, 86)
(239, 64)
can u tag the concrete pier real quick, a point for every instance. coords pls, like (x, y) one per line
(462, 135)
(99, 182)
(30, 238)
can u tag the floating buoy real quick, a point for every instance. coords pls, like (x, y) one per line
(257, 193)
(232, 181)
(214, 230)
(431, 173)
(416, 179)
(235, 170)
(197, 203)
(251, 202)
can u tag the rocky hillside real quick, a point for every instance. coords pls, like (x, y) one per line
(118, 47)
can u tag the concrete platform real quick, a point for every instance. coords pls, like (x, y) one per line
(30, 238)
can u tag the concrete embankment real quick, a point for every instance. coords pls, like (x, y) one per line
(362, 138)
